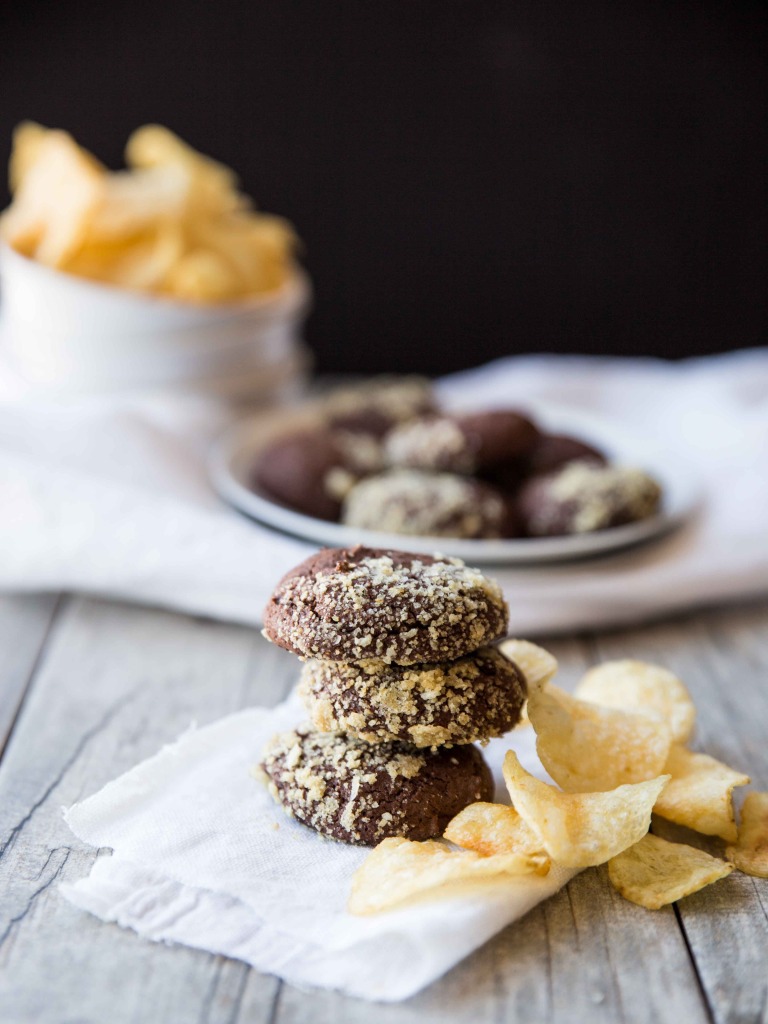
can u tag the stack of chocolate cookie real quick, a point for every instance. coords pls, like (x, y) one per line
(399, 682)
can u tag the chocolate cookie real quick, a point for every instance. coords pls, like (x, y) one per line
(360, 794)
(583, 497)
(312, 470)
(360, 603)
(551, 451)
(468, 444)
(375, 407)
(463, 701)
(428, 504)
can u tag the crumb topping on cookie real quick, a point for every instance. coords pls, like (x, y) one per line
(349, 790)
(415, 502)
(585, 496)
(365, 603)
(465, 701)
(434, 443)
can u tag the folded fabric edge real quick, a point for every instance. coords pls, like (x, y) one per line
(163, 910)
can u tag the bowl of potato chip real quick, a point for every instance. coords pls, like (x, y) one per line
(159, 275)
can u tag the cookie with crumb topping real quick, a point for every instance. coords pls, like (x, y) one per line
(312, 470)
(424, 504)
(352, 604)
(377, 405)
(356, 793)
(584, 497)
(552, 451)
(467, 444)
(464, 701)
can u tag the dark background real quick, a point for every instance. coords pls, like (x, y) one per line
(470, 179)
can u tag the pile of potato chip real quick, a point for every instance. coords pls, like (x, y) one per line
(617, 751)
(174, 224)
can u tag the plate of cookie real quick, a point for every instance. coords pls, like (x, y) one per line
(384, 466)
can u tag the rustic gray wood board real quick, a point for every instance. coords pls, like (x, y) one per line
(723, 659)
(24, 625)
(113, 684)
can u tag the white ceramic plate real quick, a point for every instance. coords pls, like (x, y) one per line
(233, 459)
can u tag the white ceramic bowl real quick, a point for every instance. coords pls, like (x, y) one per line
(68, 335)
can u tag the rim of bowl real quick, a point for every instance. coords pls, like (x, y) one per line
(295, 292)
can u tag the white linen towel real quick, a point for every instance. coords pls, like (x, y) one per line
(203, 856)
(112, 498)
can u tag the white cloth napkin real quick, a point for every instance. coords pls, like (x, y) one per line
(112, 497)
(204, 857)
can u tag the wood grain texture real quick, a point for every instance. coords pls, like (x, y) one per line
(113, 684)
(116, 684)
(24, 625)
(723, 658)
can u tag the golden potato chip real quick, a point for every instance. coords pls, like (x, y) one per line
(750, 854)
(27, 139)
(259, 248)
(212, 185)
(137, 201)
(60, 189)
(399, 870)
(639, 686)
(494, 828)
(579, 830)
(587, 748)
(203, 276)
(142, 263)
(654, 872)
(537, 665)
(699, 794)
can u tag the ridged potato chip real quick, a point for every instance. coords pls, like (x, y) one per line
(537, 665)
(699, 794)
(494, 828)
(588, 749)
(640, 686)
(654, 872)
(579, 830)
(27, 140)
(750, 854)
(399, 870)
(212, 186)
(60, 187)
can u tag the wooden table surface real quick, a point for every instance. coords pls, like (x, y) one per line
(88, 688)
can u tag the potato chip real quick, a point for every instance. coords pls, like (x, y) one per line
(750, 854)
(399, 870)
(203, 276)
(654, 872)
(639, 686)
(259, 249)
(60, 189)
(27, 140)
(537, 665)
(138, 201)
(699, 794)
(579, 830)
(587, 748)
(494, 828)
(143, 263)
(212, 185)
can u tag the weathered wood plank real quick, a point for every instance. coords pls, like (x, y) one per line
(116, 684)
(723, 658)
(582, 956)
(24, 625)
